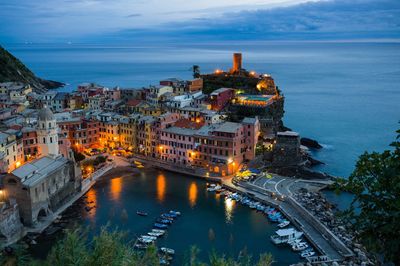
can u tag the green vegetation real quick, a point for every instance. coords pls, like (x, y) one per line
(12, 69)
(196, 71)
(375, 183)
(78, 156)
(110, 248)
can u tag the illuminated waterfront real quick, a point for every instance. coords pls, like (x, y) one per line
(208, 220)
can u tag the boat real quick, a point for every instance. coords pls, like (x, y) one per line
(168, 216)
(141, 213)
(140, 246)
(163, 221)
(175, 212)
(163, 261)
(283, 224)
(158, 231)
(160, 226)
(307, 253)
(148, 237)
(294, 241)
(154, 234)
(299, 246)
(145, 240)
(169, 251)
(285, 235)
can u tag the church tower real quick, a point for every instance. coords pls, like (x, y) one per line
(47, 136)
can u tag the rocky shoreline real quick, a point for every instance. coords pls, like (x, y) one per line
(319, 206)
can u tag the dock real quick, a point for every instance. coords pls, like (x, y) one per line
(316, 233)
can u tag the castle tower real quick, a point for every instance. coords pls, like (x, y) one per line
(237, 63)
(47, 135)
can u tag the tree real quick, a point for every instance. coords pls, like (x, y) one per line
(78, 156)
(375, 210)
(196, 71)
(110, 248)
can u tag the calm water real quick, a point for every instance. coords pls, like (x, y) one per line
(208, 220)
(345, 95)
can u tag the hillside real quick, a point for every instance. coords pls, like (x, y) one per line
(12, 69)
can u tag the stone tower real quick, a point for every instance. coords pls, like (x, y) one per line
(47, 135)
(237, 63)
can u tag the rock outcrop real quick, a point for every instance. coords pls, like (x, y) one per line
(310, 143)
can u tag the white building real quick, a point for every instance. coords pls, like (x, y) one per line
(47, 133)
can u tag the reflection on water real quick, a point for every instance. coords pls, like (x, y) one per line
(192, 194)
(115, 189)
(161, 186)
(91, 202)
(229, 205)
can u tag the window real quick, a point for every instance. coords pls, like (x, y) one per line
(44, 140)
(51, 139)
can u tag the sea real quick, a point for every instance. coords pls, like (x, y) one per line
(345, 95)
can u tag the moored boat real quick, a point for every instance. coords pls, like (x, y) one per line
(175, 213)
(141, 213)
(283, 224)
(307, 253)
(169, 251)
(299, 246)
(160, 226)
(285, 235)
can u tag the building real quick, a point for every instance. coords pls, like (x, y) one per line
(8, 152)
(237, 63)
(219, 98)
(195, 85)
(96, 102)
(218, 148)
(47, 133)
(286, 151)
(41, 186)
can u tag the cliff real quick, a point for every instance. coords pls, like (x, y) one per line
(12, 69)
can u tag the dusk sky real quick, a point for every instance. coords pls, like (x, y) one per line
(103, 20)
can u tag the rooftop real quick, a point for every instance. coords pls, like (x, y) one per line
(288, 134)
(216, 92)
(227, 127)
(33, 172)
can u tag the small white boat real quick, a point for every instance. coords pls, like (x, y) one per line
(285, 235)
(158, 231)
(299, 246)
(169, 251)
(148, 237)
(294, 241)
(175, 213)
(307, 253)
(283, 224)
(145, 240)
(154, 234)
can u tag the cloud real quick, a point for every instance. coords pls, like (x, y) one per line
(189, 20)
(134, 15)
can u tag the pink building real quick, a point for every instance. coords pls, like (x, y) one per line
(219, 148)
(113, 94)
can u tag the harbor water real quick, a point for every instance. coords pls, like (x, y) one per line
(208, 220)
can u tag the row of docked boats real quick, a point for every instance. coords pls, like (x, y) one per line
(284, 235)
(273, 214)
(159, 229)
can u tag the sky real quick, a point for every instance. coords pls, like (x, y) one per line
(124, 20)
